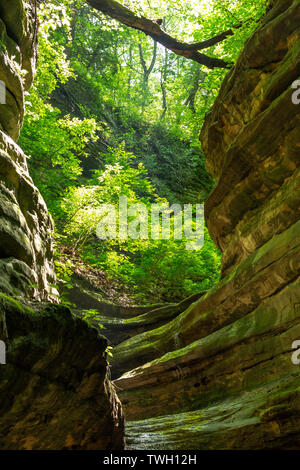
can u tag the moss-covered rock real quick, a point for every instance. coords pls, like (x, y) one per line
(55, 391)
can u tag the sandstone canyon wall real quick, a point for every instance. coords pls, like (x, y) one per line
(55, 391)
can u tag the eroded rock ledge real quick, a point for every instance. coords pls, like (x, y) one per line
(219, 375)
(55, 391)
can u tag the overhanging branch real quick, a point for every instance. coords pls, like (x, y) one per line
(188, 50)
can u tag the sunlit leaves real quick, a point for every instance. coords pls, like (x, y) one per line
(120, 104)
(150, 269)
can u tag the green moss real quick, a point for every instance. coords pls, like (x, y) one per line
(11, 303)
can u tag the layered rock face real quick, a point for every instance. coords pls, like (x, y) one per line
(25, 225)
(55, 389)
(219, 375)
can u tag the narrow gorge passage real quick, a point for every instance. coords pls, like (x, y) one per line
(121, 324)
(215, 370)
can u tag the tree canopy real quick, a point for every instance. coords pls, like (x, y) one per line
(154, 29)
(112, 112)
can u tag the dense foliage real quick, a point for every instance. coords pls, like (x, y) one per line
(112, 113)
